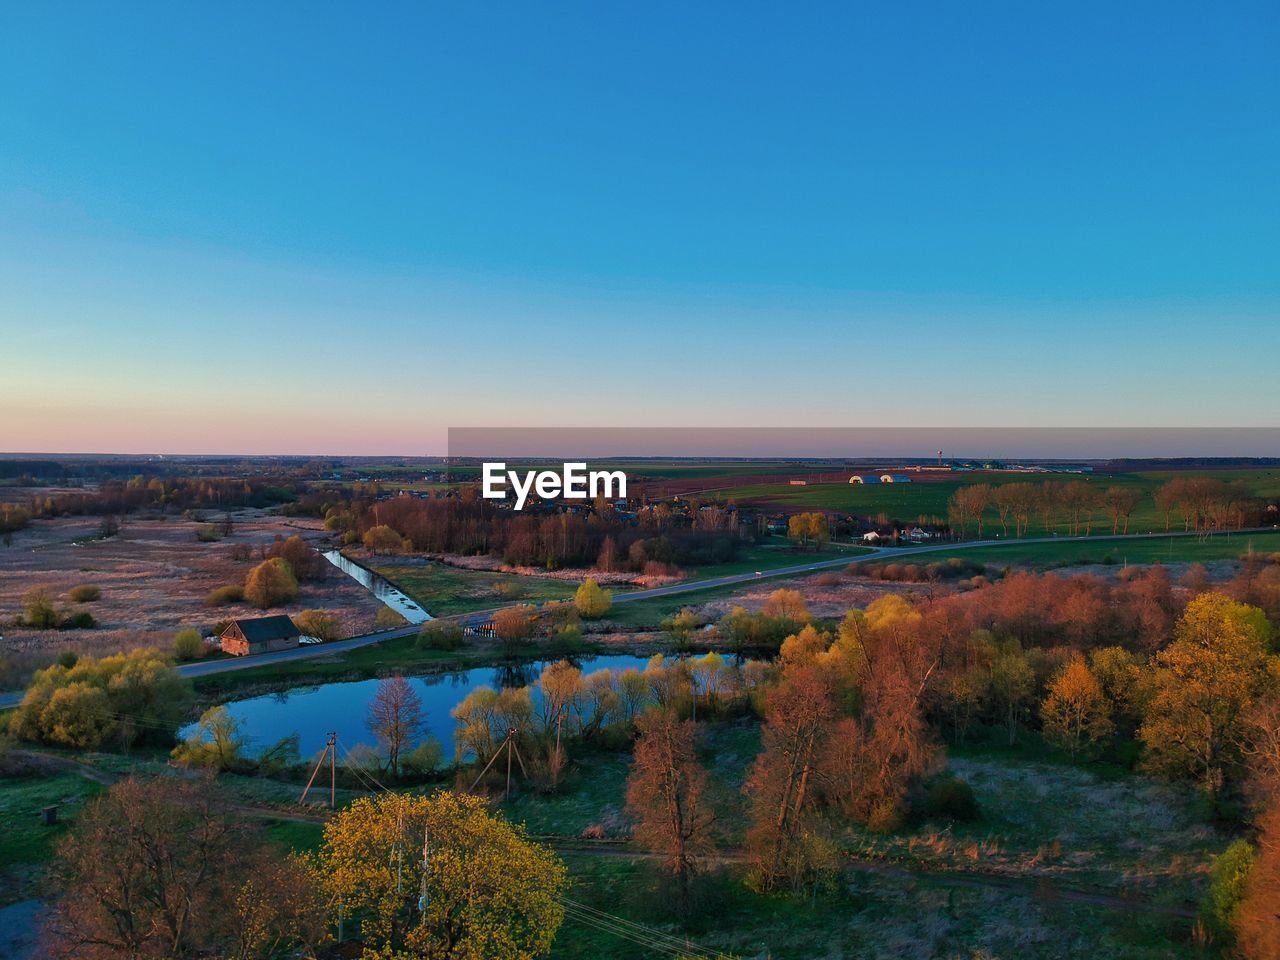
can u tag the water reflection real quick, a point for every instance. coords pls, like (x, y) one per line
(313, 711)
(380, 588)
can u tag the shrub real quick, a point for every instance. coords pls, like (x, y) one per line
(231, 593)
(38, 609)
(77, 620)
(139, 686)
(270, 584)
(425, 757)
(1227, 882)
(513, 623)
(208, 533)
(388, 619)
(952, 798)
(885, 816)
(188, 645)
(440, 635)
(591, 601)
(320, 624)
(85, 593)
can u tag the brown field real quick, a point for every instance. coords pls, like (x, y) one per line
(154, 576)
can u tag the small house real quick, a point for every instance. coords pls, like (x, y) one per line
(259, 635)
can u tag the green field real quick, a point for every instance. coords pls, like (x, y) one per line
(27, 843)
(1219, 546)
(928, 498)
(444, 591)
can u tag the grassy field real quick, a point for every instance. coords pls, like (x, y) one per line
(1043, 823)
(906, 502)
(1219, 546)
(27, 843)
(444, 591)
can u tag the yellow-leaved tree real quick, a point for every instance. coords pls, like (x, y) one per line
(1202, 685)
(591, 600)
(1076, 713)
(487, 891)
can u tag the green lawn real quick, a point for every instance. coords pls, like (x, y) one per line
(26, 842)
(1219, 546)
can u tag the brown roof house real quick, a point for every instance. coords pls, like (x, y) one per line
(259, 635)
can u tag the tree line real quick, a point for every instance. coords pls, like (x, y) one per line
(1079, 507)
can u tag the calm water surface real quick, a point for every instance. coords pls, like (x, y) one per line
(343, 707)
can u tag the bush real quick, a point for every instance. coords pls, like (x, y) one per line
(952, 798)
(77, 620)
(208, 533)
(320, 624)
(231, 593)
(137, 695)
(425, 757)
(85, 593)
(1227, 882)
(188, 645)
(39, 612)
(388, 619)
(514, 623)
(270, 584)
(885, 816)
(440, 635)
(591, 601)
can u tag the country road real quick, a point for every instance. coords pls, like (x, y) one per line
(208, 667)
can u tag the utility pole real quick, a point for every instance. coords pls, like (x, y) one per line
(330, 751)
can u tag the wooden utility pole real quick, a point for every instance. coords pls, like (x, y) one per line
(330, 751)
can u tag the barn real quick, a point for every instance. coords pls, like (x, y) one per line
(259, 635)
(864, 478)
(895, 478)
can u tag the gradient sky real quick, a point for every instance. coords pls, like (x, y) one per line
(323, 228)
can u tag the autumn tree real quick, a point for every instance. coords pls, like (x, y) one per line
(321, 624)
(786, 604)
(809, 526)
(1076, 713)
(383, 539)
(270, 584)
(784, 844)
(441, 876)
(1256, 919)
(667, 796)
(1203, 684)
(395, 718)
(591, 601)
(158, 868)
(514, 623)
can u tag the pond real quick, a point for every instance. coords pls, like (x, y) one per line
(312, 712)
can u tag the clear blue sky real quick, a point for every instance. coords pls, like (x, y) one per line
(339, 228)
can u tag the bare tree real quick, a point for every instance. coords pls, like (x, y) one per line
(395, 718)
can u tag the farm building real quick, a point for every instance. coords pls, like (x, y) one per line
(860, 478)
(799, 483)
(259, 635)
(895, 478)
